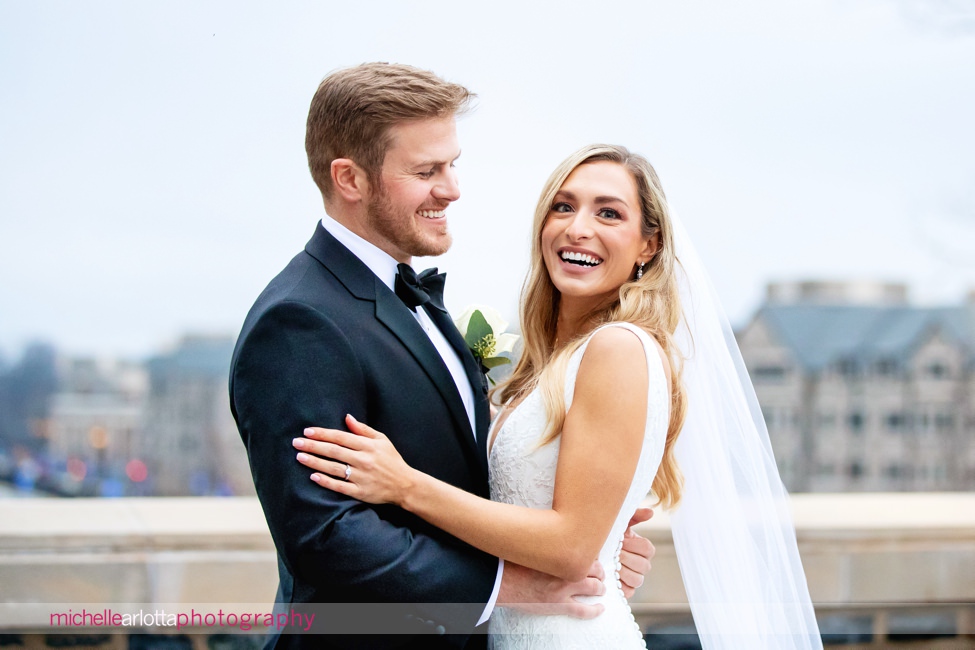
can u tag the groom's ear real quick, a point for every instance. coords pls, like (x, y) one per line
(349, 180)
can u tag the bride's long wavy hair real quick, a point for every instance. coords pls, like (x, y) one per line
(651, 302)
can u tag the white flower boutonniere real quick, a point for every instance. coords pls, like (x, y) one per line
(483, 330)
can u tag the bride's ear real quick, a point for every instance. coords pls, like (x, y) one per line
(650, 250)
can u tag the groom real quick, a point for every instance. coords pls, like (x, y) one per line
(347, 327)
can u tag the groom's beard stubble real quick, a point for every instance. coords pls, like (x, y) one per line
(402, 229)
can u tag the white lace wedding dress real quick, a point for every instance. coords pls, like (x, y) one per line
(524, 474)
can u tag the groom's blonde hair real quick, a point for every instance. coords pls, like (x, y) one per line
(354, 108)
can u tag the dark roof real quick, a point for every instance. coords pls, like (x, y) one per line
(196, 356)
(821, 334)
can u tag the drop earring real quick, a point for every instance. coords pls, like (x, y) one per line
(639, 271)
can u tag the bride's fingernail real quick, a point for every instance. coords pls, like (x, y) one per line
(352, 418)
(298, 442)
(302, 457)
(308, 431)
(316, 478)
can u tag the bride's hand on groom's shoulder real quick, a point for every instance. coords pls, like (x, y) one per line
(636, 554)
(361, 463)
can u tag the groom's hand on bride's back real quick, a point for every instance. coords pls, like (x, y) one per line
(540, 593)
(636, 554)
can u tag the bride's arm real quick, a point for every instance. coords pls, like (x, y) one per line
(600, 445)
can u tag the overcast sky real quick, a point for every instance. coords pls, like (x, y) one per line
(153, 178)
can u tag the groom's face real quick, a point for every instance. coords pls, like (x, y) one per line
(407, 212)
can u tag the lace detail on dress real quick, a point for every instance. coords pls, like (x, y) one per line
(523, 473)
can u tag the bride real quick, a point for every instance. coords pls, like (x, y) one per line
(625, 351)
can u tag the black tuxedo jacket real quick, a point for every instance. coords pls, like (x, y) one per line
(327, 338)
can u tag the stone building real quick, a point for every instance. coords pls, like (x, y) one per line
(190, 442)
(862, 391)
(94, 421)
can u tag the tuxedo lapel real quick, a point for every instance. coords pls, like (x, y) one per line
(392, 313)
(482, 415)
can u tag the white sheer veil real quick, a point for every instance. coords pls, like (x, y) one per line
(733, 530)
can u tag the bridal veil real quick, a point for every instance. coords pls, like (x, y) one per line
(733, 530)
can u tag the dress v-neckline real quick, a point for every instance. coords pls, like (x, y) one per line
(502, 419)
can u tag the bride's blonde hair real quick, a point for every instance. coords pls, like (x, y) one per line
(651, 302)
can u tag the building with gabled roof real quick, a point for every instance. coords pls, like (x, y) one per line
(862, 391)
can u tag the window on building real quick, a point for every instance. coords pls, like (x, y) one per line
(938, 370)
(856, 421)
(894, 471)
(856, 469)
(769, 373)
(896, 421)
(779, 417)
(944, 421)
(885, 367)
(847, 368)
(933, 418)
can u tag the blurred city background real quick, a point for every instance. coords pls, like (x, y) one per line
(862, 391)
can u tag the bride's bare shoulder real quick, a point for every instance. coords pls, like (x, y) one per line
(621, 349)
(613, 352)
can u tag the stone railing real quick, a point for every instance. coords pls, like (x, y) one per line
(877, 565)
(887, 559)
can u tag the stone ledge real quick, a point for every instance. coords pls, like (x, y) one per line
(117, 525)
(857, 549)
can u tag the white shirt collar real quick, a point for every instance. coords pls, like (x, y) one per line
(379, 261)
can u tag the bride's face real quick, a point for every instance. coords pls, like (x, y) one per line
(591, 240)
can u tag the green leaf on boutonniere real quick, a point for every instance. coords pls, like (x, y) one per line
(494, 362)
(478, 330)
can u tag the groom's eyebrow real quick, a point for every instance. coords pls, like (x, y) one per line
(437, 163)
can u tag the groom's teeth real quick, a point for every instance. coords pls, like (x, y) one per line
(571, 256)
(431, 214)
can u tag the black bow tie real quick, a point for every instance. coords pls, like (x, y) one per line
(415, 290)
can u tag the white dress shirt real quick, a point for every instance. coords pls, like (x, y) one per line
(384, 266)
